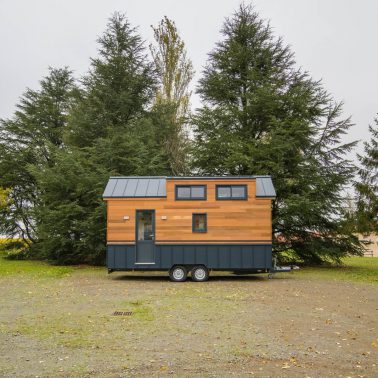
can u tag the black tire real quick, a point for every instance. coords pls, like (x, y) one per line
(178, 274)
(200, 273)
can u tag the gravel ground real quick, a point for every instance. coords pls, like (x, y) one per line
(292, 326)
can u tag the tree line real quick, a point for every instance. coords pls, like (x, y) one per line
(130, 115)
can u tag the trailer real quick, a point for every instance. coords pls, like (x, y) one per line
(190, 225)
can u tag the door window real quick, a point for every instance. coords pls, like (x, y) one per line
(145, 226)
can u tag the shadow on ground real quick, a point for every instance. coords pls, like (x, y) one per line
(215, 278)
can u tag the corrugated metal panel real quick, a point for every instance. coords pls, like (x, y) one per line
(135, 187)
(264, 187)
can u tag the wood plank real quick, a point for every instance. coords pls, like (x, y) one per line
(227, 220)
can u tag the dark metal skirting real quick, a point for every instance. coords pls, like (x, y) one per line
(221, 257)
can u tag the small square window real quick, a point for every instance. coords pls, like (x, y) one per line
(199, 223)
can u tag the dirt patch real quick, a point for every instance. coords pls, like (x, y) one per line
(291, 326)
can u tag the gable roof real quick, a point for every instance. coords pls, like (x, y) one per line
(155, 186)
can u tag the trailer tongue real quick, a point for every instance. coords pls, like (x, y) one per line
(281, 269)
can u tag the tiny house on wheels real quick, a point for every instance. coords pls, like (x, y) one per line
(190, 224)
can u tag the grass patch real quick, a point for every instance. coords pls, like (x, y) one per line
(139, 309)
(41, 269)
(355, 269)
(37, 269)
(72, 333)
(80, 330)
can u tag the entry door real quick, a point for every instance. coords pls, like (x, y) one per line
(145, 237)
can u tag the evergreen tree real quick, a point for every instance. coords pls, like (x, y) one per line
(175, 72)
(262, 115)
(119, 86)
(112, 131)
(367, 188)
(113, 120)
(71, 216)
(26, 141)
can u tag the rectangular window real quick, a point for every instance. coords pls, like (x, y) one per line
(190, 192)
(199, 223)
(231, 192)
(183, 192)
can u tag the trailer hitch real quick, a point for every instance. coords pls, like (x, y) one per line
(281, 269)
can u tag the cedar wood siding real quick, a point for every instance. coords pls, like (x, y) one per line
(228, 221)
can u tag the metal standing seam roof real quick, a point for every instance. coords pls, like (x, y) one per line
(126, 187)
(264, 187)
(155, 186)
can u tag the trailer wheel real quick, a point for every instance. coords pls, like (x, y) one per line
(200, 273)
(178, 274)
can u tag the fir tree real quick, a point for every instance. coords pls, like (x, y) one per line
(112, 131)
(26, 142)
(367, 188)
(120, 84)
(262, 115)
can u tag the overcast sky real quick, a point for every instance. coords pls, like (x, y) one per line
(335, 40)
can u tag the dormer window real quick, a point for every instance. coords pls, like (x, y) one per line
(231, 192)
(190, 192)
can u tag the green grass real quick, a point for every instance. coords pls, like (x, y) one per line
(355, 269)
(139, 310)
(36, 269)
(41, 269)
(60, 330)
(80, 329)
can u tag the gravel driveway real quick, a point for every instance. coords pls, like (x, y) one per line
(291, 326)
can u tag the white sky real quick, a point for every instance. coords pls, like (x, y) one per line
(335, 40)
